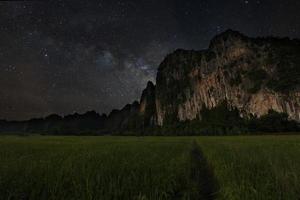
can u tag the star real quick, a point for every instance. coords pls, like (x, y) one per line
(219, 28)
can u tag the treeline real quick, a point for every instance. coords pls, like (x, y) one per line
(220, 120)
(89, 123)
(224, 121)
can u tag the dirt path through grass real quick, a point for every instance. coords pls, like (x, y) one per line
(202, 174)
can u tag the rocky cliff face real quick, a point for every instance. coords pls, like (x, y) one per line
(147, 108)
(135, 116)
(252, 75)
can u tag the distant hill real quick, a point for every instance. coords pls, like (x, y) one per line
(81, 124)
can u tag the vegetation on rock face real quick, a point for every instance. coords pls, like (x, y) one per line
(257, 76)
(285, 54)
(237, 80)
(223, 120)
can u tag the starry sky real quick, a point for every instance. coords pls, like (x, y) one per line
(79, 55)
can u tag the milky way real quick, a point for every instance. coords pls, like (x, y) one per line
(73, 56)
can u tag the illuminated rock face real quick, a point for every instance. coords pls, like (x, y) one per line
(252, 75)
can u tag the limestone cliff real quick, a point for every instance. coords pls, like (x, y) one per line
(147, 109)
(252, 75)
(136, 116)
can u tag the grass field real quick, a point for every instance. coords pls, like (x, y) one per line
(255, 167)
(244, 167)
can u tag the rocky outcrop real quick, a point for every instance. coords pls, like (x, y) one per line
(252, 75)
(147, 108)
(136, 116)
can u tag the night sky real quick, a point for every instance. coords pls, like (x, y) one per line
(74, 56)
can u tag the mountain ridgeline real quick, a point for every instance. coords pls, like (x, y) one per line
(237, 85)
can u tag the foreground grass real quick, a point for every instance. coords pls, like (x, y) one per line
(95, 168)
(255, 167)
(252, 167)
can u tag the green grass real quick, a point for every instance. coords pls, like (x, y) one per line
(255, 167)
(94, 168)
(244, 167)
